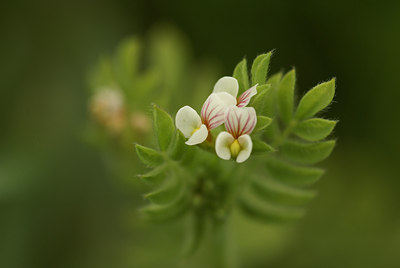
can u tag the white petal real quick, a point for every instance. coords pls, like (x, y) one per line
(240, 121)
(244, 99)
(213, 110)
(187, 120)
(223, 145)
(199, 136)
(246, 146)
(227, 84)
(226, 98)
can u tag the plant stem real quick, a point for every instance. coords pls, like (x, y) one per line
(224, 256)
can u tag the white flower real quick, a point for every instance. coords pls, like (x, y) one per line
(230, 85)
(196, 128)
(107, 108)
(236, 142)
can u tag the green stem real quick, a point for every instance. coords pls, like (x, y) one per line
(223, 254)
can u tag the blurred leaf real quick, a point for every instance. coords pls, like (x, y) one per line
(261, 147)
(102, 75)
(259, 69)
(307, 153)
(315, 100)
(127, 59)
(293, 174)
(165, 212)
(262, 123)
(156, 175)
(149, 156)
(286, 96)
(269, 213)
(314, 129)
(164, 127)
(241, 74)
(282, 194)
(171, 188)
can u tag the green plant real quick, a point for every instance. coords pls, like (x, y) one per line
(288, 140)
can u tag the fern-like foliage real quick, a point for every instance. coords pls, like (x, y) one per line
(271, 186)
(278, 192)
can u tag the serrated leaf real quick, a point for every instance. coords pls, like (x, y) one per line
(262, 123)
(178, 148)
(315, 100)
(285, 95)
(268, 213)
(164, 127)
(259, 101)
(314, 129)
(241, 74)
(166, 212)
(156, 175)
(307, 153)
(261, 147)
(149, 156)
(272, 190)
(293, 174)
(259, 69)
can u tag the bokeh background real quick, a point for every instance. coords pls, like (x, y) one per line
(62, 207)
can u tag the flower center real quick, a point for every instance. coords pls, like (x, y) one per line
(235, 148)
(194, 130)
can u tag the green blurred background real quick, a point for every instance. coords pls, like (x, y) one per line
(61, 206)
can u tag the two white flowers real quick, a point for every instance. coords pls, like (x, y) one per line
(222, 107)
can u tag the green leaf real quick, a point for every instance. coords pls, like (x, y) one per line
(315, 100)
(314, 129)
(262, 123)
(261, 147)
(270, 104)
(149, 156)
(167, 192)
(274, 79)
(269, 213)
(164, 127)
(178, 148)
(286, 96)
(156, 175)
(307, 153)
(259, 101)
(127, 60)
(293, 174)
(259, 69)
(241, 74)
(272, 190)
(166, 212)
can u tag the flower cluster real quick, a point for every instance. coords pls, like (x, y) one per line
(222, 107)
